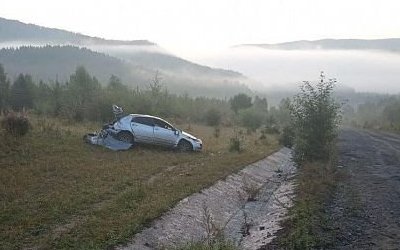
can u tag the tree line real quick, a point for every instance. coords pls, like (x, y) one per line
(83, 97)
(383, 113)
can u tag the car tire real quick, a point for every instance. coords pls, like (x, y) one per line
(185, 146)
(125, 136)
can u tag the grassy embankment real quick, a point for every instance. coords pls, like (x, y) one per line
(309, 225)
(57, 192)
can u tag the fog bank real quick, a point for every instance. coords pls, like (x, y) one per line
(371, 71)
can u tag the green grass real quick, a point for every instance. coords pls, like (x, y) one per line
(308, 226)
(57, 192)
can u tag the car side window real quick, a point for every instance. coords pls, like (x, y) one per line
(143, 120)
(162, 124)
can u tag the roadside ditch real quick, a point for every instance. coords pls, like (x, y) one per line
(246, 209)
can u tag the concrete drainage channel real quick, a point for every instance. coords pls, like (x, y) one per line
(245, 207)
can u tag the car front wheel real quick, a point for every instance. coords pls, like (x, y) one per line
(185, 146)
(125, 136)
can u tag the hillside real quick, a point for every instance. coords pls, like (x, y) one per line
(135, 62)
(13, 30)
(391, 44)
(59, 62)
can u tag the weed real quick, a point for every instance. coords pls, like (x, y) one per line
(16, 124)
(213, 231)
(235, 143)
(48, 127)
(217, 132)
(251, 188)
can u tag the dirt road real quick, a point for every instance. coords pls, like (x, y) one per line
(366, 208)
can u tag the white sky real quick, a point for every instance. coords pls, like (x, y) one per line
(193, 28)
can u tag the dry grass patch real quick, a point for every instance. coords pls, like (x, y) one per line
(57, 192)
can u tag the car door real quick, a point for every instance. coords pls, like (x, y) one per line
(143, 129)
(164, 133)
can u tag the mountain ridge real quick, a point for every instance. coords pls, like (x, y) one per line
(14, 30)
(387, 44)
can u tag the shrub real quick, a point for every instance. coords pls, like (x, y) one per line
(217, 132)
(287, 137)
(251, 119)
(315, 119)
(213, 117)
(235, 142)
(234, 145)
(16, 124)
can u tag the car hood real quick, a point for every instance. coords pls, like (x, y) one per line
(189, 135)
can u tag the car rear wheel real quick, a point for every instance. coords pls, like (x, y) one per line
(185, 146)
(125, 136)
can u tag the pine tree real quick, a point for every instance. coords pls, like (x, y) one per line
(22, 92)
(4, 89)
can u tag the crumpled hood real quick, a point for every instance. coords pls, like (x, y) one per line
(189, 135)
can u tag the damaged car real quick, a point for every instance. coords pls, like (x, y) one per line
(147, 129)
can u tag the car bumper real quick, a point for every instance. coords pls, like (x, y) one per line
(197, 146)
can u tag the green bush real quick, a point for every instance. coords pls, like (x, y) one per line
(315, 118)
(251, 119)
(213, 117)
(287, 136)
(235, 142)
(234, 145)
(16, 124)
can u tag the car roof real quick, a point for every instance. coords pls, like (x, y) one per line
(149, 116)
(140, 115)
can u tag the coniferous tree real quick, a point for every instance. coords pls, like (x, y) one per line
(22, 93)
(82, 91)
(240, 101)
(4, 89)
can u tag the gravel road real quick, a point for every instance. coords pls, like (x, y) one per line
(366, 208)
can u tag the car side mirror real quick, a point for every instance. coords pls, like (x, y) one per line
(176, 132)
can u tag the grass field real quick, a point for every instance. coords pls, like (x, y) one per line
(57, 192)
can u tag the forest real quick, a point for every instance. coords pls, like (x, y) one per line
(83, 97)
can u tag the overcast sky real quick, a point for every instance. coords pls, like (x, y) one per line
(188, 27)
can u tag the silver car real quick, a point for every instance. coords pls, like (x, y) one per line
(135, 128)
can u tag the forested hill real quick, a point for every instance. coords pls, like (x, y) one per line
(59, 62)
(49, 63)
(390, 44)
(13, 30)
(59, 52)
(139, 52)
